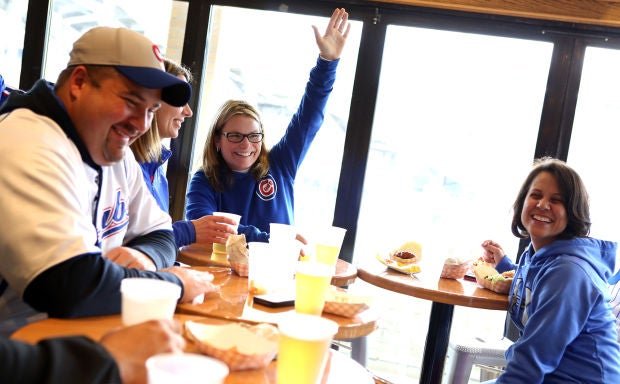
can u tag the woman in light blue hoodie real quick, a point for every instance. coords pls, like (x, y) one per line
(559, 295)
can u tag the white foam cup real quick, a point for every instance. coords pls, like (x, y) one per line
(186, 368)
(147, 299)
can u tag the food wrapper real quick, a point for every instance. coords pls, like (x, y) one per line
(486, 276)
(502, 287)
(340, 302)
(237, 250)
(239, 345)
(454, 268)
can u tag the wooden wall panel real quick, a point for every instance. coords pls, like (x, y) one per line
(595, 12)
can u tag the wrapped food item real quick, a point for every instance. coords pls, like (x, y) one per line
(454, 268)
(483, 269)
(489, 278)
(239, 345)
(237, 250)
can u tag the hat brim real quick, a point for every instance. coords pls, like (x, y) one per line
(174, 91)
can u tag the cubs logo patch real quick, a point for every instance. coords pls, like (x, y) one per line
(267, 188)
(115, 218)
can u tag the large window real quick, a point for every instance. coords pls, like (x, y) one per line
(71, 18)
(453, 137)
(269, 68)
(595, 138)
(12, 27)
(454, 133)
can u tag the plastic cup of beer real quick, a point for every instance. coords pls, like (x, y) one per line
(312, 281)
(147, 299)
(186, 368)
(303, 348)
(327, 245)
(219, 250)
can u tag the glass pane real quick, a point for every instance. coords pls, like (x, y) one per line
(12, 28)
(595, 137)
(454, 134)
(269, 69)
(71, 18)
(453, 137)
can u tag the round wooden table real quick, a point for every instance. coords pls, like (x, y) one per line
(445, 294)
(234, 302)
(200, 255)
(340, 368)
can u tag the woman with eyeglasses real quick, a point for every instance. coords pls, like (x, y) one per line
(152, 154)
(239, 174)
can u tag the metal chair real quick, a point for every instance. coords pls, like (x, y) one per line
(464, 354)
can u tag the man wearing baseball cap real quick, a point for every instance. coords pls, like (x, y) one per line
(77, 217)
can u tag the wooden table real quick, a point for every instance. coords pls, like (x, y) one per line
(200, 255)
(445, 294)
(340, 369)
(234, 302)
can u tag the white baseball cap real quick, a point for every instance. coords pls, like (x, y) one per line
(134, 56)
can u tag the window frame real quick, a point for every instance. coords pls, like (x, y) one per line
(570, 41)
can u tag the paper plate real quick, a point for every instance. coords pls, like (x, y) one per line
(407, 269)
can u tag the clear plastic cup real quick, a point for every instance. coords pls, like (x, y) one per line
(220, 249)
(312, 281)
(147, 299)
(286, 248)
(327, 245)
(281, 233)
(303, 348)
(260, 267)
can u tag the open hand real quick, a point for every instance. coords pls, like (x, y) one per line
(332, 42)
(131, 346)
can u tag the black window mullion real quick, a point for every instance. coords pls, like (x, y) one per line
(359, 127)
(194, 48)
(36, 36)
(560, 101)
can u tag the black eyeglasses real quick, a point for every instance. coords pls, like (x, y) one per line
(235, 137)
